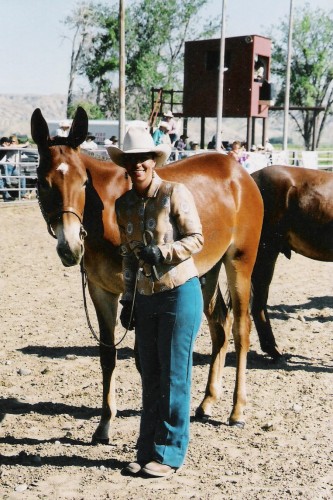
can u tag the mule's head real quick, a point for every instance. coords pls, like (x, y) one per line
(62, 179)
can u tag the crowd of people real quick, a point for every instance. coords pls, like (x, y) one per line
(12, 179)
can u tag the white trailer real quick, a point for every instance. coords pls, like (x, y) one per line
(101, 129)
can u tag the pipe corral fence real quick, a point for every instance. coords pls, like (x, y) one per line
(18, 170)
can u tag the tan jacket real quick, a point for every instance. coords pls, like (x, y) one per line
(169, 213)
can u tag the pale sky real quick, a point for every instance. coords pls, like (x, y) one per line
(36, 47)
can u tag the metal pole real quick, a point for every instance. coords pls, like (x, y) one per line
(121, 71)
(219, 110)
(287, 93)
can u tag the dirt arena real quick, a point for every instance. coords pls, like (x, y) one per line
(51, 390)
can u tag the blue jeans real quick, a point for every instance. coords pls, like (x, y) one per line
(8, 170)
(167, 324)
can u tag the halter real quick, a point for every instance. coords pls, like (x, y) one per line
(57, 214)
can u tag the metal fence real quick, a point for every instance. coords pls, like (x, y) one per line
(18, 167)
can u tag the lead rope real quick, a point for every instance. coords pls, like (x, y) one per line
(84, 284)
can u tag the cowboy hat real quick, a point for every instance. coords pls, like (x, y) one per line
(168, 114)
(138, 140)
(65, 123)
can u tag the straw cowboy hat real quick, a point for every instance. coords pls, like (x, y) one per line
(139, 140)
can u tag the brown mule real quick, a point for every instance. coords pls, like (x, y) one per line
(77, 196)
(298, 216)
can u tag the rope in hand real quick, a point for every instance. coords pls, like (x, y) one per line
(84, 284)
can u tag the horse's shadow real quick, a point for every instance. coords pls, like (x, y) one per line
(29, 460)
(17, 407)
(259, 361)
(43, 351)
(281, 311)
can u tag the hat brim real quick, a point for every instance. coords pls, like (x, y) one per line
(118, 156)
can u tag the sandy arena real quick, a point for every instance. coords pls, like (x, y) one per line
(51, 390)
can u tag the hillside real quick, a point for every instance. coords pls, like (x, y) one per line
(16, 110)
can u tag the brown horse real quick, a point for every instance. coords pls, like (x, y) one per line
(77, 196)
(298, 215)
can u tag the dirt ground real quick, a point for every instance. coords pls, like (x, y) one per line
(51, 390)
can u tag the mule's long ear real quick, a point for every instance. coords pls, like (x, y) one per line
(39, 129)
(79, 128)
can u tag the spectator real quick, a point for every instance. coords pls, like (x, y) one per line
(161, 136)
(89, 143)
(11, 175)
(64, 127)
(113, 141)
(173, 129)
(181, 145)
(236, 150)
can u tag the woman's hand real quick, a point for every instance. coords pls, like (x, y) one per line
(151, 254)
(125, 316)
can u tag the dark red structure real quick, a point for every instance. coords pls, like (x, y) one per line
(246, 89)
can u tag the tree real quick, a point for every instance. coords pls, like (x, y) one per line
(82, 21)
(311, 81)
(156, 31)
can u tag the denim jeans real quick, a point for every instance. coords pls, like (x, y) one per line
(167, 324)
(7, 171)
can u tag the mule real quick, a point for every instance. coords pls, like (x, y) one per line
(298, 216)
(77, 196)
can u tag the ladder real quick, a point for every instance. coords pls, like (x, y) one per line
(156, 108)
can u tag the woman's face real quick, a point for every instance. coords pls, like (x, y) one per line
(140, 167)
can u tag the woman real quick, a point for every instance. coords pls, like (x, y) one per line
(160, 230)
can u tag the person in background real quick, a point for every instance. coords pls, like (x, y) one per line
(89, 143)
(10, 169)
(64, 127)
(173, 129)
(181, 145)
(160, 231)
(113, 141)
(161, 136)
(236, 150)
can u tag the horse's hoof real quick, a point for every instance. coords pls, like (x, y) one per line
(200, 415)
(99, 440)
(237, 423)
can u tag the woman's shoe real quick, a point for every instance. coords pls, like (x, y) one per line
(131, 469)
(155, 469)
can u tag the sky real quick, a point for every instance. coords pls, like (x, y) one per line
(36, 46)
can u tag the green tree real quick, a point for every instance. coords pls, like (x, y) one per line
(155, 36)
(311, 81)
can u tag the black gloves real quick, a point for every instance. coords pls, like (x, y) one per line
(125, 315)
(151, 254)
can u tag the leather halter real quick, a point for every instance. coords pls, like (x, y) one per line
(57, 214)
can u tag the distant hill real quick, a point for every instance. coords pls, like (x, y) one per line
(16, 111)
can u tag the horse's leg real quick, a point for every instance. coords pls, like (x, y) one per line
(261, 279)
(106, 304)
(219, 323)
(238, 268)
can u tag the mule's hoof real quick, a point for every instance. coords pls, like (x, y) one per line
(238, 423)
(99, 440)
(203, 417)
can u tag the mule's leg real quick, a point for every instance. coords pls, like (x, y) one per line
(106, 304)
(261, 279)
(219, 323)
(238, 270)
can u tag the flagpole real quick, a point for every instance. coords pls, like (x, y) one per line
(287, 91)
(121, 71)
(219, 110)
